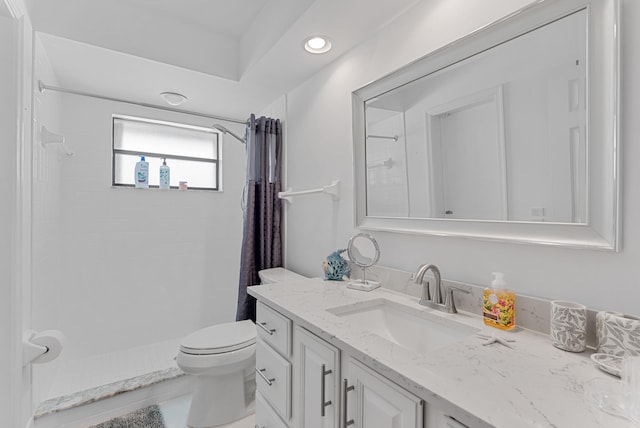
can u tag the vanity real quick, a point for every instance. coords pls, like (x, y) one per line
(329, 356)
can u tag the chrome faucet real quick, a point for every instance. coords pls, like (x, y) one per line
(436, 302)
(437, 291)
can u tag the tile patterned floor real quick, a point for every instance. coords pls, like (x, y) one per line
(175, 413)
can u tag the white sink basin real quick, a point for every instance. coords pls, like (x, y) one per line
(417, 330)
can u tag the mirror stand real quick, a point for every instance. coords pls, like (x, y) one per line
(363, 242)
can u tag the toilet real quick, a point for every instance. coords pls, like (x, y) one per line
(222, 357)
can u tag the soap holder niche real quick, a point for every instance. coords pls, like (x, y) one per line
(47, 137)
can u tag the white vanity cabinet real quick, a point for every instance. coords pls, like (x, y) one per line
(305, 382)
(372, 401)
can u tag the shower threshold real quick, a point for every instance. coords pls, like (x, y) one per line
(95, 389)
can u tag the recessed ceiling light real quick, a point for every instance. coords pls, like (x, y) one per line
(173, 98)
(317, 44)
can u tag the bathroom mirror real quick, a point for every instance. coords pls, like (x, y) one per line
(364, 252)
(509, 133)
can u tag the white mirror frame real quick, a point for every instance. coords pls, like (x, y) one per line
(602, 229)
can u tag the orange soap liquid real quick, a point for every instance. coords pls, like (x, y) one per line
(499, 308)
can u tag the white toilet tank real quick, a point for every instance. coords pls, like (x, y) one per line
(269, 276)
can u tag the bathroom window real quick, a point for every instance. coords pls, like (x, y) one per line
(192, 152)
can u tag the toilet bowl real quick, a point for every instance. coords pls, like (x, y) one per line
(222, 358)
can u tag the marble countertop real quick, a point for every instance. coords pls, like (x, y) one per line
(532, 385)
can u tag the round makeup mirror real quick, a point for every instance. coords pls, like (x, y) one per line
(364, 252)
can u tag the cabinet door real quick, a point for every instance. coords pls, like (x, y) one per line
(316, 386)
(374, 402)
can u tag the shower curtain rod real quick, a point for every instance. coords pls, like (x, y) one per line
(44, 87)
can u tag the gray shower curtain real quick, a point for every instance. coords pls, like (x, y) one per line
(261, 236)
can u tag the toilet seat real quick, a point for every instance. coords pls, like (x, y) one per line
(220, 338)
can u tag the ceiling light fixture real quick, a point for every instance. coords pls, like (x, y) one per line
(317, 44)
(173, 98)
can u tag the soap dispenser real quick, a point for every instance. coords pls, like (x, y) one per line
(165, 175)
(141, 176)
(499, 304)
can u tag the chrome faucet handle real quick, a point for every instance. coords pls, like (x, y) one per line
(449, 303)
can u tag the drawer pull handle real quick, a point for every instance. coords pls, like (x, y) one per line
(346, 388)
(269, 331)
(451, 422)
(266, 379)
(323, 403)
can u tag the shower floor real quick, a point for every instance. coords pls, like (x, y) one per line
(87, 392)
(113, 384)
(81, 375)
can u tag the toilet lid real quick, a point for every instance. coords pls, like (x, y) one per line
(220, 338)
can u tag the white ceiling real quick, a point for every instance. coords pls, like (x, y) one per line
(229, 57)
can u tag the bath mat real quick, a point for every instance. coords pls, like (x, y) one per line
(149, 417)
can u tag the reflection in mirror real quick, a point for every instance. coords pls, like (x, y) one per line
(364, 252)
(509, 133)
(497, 136)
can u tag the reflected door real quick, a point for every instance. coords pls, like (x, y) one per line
(469, 181)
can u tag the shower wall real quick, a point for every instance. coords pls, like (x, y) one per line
(120, 268)
(46, 234)
(142, 265)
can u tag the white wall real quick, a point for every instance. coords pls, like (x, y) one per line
(46, 222)
(139, 266)
(8, 137)
(319, 150)
(15, 212)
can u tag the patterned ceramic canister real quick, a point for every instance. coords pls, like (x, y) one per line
(568, 326)
(631, 385)
(618, 334)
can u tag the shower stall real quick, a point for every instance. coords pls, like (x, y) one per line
(123, 273)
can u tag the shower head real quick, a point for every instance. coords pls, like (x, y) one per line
(227, 131)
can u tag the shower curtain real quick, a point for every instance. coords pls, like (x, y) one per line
(261, 235)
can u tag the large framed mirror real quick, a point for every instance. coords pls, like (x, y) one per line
(510, 133)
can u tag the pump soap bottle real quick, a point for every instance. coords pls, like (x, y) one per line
(165, 174)
(499, 304)
(141, 178)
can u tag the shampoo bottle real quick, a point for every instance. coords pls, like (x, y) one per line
(142, 174)
(165, 175)
(499, 304)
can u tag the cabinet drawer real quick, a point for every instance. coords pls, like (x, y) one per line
(265, 416)
(274, 328)
(273, 378)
